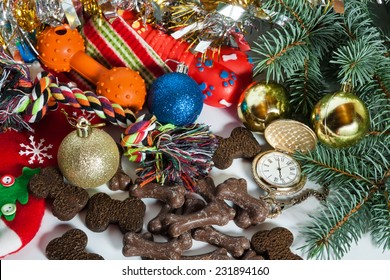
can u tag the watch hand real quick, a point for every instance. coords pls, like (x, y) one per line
(279, 169)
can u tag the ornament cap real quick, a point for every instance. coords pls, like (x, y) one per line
(84, 128)
(181, 66)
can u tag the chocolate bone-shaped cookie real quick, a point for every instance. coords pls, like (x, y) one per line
(155, 225)
(235, 245)
(70, 246)
(135, 244)
(240, 144)
(235, 190)
(217, 254)
(120, 180)
(171, 195)
(67, 200)
(274, 244)
(191, 204)
(216, 212)
(103, 210)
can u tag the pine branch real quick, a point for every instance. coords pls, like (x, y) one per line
(281, 53)
(342, 222)
(380, 221)
(283, 50)
(366, 162)
(358, 58)
(291, 9)
(376, 94)
(304, 86)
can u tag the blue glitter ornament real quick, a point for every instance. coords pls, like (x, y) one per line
(175, 98)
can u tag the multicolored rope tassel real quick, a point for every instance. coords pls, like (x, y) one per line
(169, 154)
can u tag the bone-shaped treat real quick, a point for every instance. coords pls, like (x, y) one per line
(120, 180)
(192, 204)
(251, 255)
(235, 190)
(274, 244)
(135, 244)
(215, 213)
(70, 246)
(155, 225)
(240, 144)
(206, 188)
(103, 211)
(242, 219)
(235, 245)
(68, 200)
(171, 195)
(218, 254)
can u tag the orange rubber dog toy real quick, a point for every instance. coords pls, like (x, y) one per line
(62, 49)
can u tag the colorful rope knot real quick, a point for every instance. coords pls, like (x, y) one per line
(23, 101)
(169, 154)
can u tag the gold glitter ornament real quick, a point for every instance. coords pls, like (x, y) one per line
(340, 119)
(88, 157)
(261, 103)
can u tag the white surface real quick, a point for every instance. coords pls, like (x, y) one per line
(109, 243)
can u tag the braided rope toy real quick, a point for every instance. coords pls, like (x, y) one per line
(45, 95)
(168, 153)
(46, 90)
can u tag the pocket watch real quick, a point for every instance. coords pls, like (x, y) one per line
(276, 171)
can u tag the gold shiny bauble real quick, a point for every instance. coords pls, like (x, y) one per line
(88, 161)
(340, 119)
(261, 103)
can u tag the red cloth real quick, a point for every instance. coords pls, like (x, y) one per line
(34, 150)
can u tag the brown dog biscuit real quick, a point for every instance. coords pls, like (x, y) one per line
(251, 255)
(240, 144)
(67, 200)
(103, 210)
(274, 244)
(217, 254)
(236, 191)
(174, 196)
(136, 244)
(70, 246)
(235, 245)
(215, 213)
(120, 181)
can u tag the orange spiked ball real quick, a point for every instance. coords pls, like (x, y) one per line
(123, 86)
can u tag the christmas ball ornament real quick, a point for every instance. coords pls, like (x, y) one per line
(88, 157)
(261, 103)
(340, 119)
(175, 98)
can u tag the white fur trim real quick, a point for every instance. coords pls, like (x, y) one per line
(9, 240)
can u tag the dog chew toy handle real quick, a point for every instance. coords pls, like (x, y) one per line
(62, 49)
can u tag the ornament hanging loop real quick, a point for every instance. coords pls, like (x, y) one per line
(83, 125)
(347, 87)
(181, 67)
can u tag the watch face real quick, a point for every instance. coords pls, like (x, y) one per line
(278, 169)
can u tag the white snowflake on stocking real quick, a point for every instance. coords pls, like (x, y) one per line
(36, 151)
